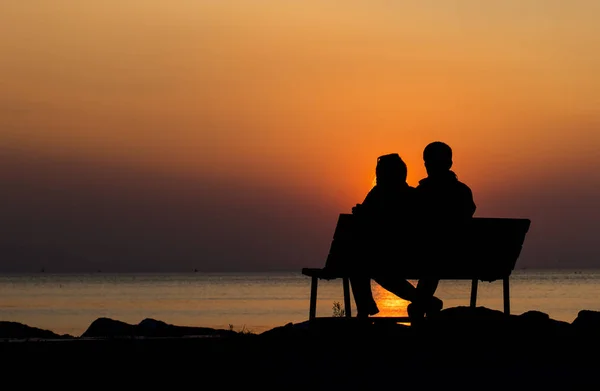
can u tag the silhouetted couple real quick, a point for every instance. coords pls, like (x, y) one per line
(420, 219)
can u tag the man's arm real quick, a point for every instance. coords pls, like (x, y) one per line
(469, 203)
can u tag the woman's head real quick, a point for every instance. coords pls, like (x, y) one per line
(390, 169)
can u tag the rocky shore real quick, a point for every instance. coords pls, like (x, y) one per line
(473, 348)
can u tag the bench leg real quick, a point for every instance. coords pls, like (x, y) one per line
(347, 302)
(506, 296)
(313, 298)
(474, 293)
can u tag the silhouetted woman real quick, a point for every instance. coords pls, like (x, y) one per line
(388, 210)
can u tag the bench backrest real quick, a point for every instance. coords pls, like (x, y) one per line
(484, 248)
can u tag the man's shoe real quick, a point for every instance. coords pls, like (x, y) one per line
(415, 313)
(435, 306)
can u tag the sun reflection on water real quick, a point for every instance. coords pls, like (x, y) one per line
(389, 304)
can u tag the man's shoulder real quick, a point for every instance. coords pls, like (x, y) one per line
(463, 186)
(422, 183)
(427, 183)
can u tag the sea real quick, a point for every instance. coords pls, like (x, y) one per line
(257, 302)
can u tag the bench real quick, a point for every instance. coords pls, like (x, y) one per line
(488, 251)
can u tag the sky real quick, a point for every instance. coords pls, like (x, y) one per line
(147, 135)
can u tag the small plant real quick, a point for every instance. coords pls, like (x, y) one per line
(338, 311)
(244, 330)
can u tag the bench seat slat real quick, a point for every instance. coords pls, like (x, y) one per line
(324, 274)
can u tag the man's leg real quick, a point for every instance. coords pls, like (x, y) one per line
(426, 288)
(398, 286)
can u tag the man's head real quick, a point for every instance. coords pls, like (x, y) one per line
(437, 157)
(390, 169)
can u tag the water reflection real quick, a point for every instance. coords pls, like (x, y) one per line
(388, 303)
(257, 301)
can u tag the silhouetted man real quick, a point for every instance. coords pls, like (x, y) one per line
(444, 202)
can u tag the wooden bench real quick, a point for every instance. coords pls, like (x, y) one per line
(488, 250)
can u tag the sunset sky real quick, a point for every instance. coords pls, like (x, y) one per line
(154, 135)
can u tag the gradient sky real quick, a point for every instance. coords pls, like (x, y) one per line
(146, 135)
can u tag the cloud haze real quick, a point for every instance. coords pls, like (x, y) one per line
(69, 215)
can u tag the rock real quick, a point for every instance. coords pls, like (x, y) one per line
(587, 321)
(534, 316)
(538, 322)
(152, 328)
(481, 321)
(157, 328)
(109, 328)
(283, 331)
(466, 314)
(467, 319)
(15, 330)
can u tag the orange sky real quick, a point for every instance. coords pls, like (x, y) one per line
(305, 95)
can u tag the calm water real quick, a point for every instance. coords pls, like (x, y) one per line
(67, 304)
